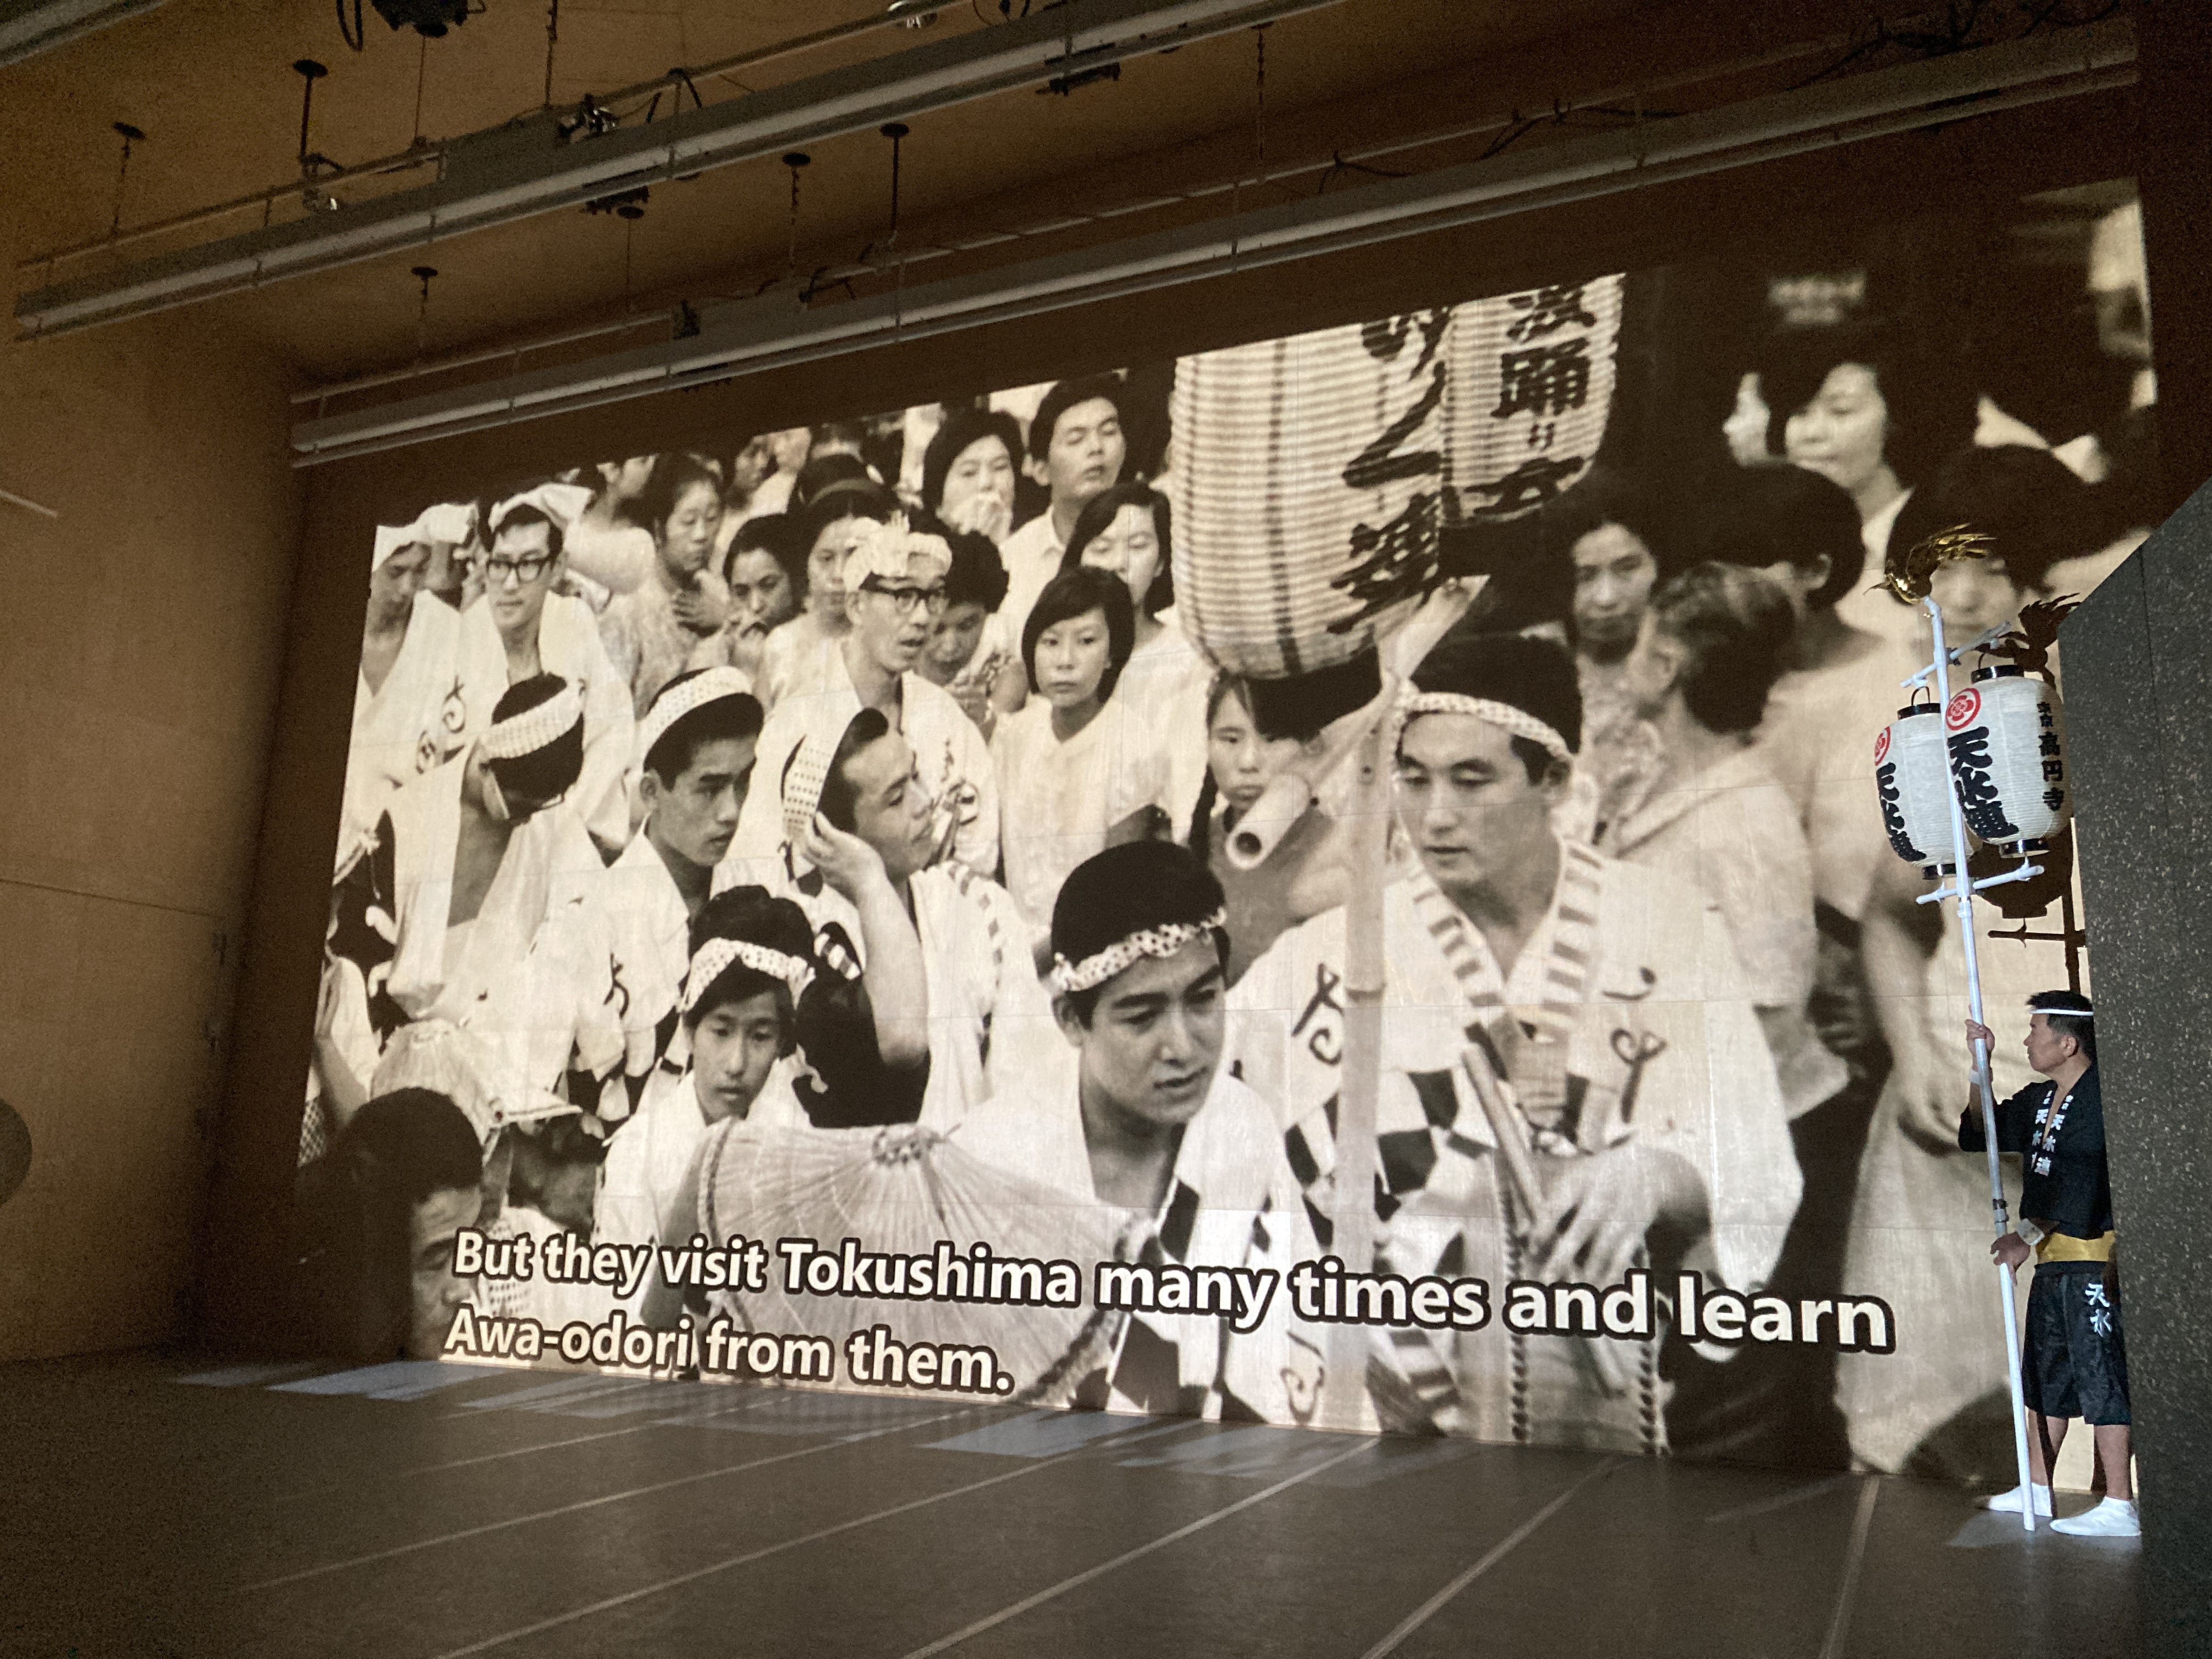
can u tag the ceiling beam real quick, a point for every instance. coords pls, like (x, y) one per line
(748, 337)
(535, 165)
(29, 28)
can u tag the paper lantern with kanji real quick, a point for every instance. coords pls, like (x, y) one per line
(1314, 476)
(1525, 404)
(1915, 790)
(1307, 492)
(2006, 735)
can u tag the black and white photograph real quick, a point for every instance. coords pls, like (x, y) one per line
(1335, 881)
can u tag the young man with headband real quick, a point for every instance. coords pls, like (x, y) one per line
(695, 764)
(1574, 1082)
(989, 1025)
(523, 625)
(751, 960)
(1155, 1129)
(894, 583)
(478, 905)
(409, 713)
(2075, 1360)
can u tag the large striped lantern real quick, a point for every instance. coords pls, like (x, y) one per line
(1314, 474)
(1307, 493)
(2007, 748)
(1914, 788)
(1526, 401)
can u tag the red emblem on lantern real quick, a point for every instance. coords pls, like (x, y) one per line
(1881, 745)
(1964, 710)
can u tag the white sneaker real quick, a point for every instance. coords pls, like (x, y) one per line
(2113, 1518)
(2008, 1502)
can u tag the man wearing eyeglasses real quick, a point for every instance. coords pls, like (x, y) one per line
(522, 624)
(894, 590)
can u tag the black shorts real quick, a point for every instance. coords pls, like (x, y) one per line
(2076, 1362)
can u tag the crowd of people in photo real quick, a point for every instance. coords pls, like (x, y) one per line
(860, 778)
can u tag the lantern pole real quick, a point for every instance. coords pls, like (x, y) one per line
(1962, 889)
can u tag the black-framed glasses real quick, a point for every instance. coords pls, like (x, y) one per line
(525, 570)
(906, 600)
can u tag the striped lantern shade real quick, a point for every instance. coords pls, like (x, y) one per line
(1526, 400)
(1307, 492)
(1909, 779)
(2007, 735)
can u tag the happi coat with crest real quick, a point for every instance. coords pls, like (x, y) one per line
(1624, 1018)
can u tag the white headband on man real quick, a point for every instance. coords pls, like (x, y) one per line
(561, 503)
(892, 551)
(675, 702)
(1519, 721)
(533, 728)
(714, 958)
(1159, 943)
(390, 539)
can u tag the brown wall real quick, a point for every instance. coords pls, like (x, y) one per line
(139, 639)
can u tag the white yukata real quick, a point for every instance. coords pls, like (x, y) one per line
(1032, 556)
(1732, 833)
(1060, 798)
(991, 1027)
(1625, 1017)
(1165, 685)
(416, 721)
(530, 974)
(567, 645)
(1869, 605)
(650, 1158)
(954, 761)
(1232, 1202)
(795, 659)
(650, 929)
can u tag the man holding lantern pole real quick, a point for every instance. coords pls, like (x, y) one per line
(2075, 1362)
(1574, 1087)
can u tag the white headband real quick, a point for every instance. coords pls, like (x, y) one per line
(533, 728)
(715, 956)
(675, 702)
(390, 539)
(562, 503)
(448, 521)
(1159, 943)
(892, 551)
(1519, 721)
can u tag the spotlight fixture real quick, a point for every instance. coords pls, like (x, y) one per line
(913, 14)
(427, 17)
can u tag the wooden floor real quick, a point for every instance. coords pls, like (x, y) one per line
(152, 1505)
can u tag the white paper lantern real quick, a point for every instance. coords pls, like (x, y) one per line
(1530, 386)
(1914, 788)
(2007, 735)
(1307, 490)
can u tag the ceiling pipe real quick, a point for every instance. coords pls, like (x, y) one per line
(535, 167)
(29, 28)
(748, 337)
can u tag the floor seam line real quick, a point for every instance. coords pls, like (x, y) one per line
(1027, 1603)
(609, 1603)
(1496, 1552)
(1840, 1622)
(571, 1509)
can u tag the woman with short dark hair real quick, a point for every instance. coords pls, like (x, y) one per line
(1078, 772)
